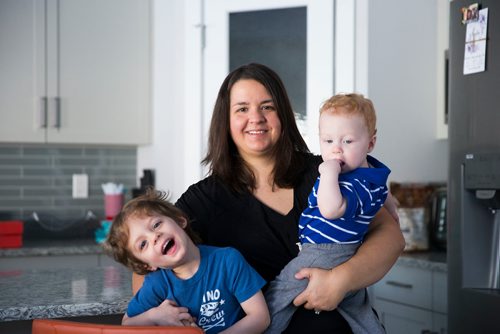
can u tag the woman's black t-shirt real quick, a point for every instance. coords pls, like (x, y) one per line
(266, 238)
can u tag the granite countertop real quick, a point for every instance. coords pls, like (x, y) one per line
(46, 247)
(56, 293)
(430, 260)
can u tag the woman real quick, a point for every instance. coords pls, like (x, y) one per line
(260, 175)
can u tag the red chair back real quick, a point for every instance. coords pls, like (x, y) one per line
(52, 326)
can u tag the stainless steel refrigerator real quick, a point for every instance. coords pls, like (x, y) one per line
(473, 248)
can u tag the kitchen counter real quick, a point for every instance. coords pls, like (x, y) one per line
(421, 259)
(57, 293)
(54, 293)
(430, 260)
(46, 247)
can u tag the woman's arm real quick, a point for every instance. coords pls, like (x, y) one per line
(257, 317)
(383, 244)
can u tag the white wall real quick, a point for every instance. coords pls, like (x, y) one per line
(400, 78)
(167, 155)
(402, 83)
(175, 153)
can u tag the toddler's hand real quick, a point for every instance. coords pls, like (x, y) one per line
(169, 314)
(190, 323)
(332, 166)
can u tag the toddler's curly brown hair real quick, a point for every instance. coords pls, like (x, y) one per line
(152, 203)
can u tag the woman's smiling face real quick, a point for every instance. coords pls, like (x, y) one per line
(254, 123)
(158, 241)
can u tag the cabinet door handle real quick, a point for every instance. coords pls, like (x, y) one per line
(56, 116)
(399, 284)
(42, 113)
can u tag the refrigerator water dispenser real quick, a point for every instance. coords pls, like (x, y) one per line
(481, 208)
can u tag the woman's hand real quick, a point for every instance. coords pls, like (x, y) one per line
(382, 246)
(326, 288)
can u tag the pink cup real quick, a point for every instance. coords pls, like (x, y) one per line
(112, 205)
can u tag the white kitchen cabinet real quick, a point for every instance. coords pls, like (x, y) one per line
(412, 300)
(439, 323)
(75, 71)
(399, 318)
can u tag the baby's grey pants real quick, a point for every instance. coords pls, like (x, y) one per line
(355, 307)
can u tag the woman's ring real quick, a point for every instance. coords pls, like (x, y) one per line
(317, 312)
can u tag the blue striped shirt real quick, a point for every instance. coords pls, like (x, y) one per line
(364, 190)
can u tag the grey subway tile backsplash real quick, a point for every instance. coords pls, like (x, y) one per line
(38, 178)
(10, 150)
(9, 192)
(21, 161)
(24, 182)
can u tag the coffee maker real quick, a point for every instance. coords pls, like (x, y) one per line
(438, 228)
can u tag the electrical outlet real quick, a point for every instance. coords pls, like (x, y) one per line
(80, 186)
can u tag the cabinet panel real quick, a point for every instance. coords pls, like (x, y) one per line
(440, 292)
(412, 300)
(75, 71)
(440, 323)
(103, 73)
(399, 319)
(406, 285)
(22, 68)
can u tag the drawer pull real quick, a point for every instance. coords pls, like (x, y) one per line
(42, 114)
(399, 284)
(56, 113)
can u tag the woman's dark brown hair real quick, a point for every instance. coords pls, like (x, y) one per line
(223, 158)
(153, 203)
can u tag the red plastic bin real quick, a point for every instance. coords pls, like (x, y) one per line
(11, 233)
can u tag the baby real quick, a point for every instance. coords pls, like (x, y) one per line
(348, 193)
